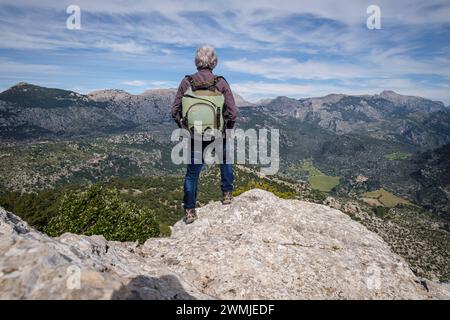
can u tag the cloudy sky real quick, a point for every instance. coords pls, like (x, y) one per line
(266, 48)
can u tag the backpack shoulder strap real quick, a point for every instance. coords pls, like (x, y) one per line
(217, 78)
(198, 85)
(188, 77)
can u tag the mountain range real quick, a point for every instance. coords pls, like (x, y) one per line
(398, 143)
(29, 111)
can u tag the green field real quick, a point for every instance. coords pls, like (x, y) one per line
(317, 179)
(384, 198)
(398, 156)
(308, 165)
(323, 183)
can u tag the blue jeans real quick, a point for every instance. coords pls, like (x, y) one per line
(193, 172)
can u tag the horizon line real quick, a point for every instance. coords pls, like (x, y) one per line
(80, 92)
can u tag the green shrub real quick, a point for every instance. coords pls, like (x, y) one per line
(316, 196)
(100, 211)
(164, 230)
(381, 211)
(35, 208)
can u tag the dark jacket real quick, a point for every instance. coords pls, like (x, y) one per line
(204, 75)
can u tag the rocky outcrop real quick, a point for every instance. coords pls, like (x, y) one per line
(260, 247)
(30, 111)
(34, 266)
(381, 116)
(412, 103)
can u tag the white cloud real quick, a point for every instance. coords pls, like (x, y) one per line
(349, 11)
(162, 84)
(375, 65)
(254, 91)
(149, 83)
(135, 83)
(288, 68)
(249, 27)
(167, 51)
(8, 67)
(125, 47)
(260, 90)
(338, 51)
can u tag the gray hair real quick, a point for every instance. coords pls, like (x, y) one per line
(205, 57)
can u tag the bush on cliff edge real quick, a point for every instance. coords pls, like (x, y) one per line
(100, 211)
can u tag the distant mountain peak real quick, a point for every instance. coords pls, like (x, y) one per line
(110, 92)
(25, 94)
(389, 92)
(284, 98)
(160, 91)
(22, 84)
(263, 102)
(241, 101)
(412, 102)
(26, 85)
(335, 95)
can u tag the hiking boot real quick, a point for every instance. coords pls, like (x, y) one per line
(227, 197)
(190, 215)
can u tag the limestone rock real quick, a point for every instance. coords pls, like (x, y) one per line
(361, 178)
(351, 207)
(35, 266)
(332, 202)
(259, 247)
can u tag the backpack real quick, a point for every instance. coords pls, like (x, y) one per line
(202, 108)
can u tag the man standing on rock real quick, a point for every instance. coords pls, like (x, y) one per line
(209, 98)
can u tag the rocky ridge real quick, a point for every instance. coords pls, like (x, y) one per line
(260, 247)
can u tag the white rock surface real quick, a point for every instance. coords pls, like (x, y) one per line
(260, 247)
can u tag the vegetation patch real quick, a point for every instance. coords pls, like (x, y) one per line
(100, 211)
(62, 209)
(323, 183)
(317, 179)
(384, 198)
(398, 156)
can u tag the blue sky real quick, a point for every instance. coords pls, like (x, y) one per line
(266, 48)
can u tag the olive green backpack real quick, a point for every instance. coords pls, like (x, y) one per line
(202, 108)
